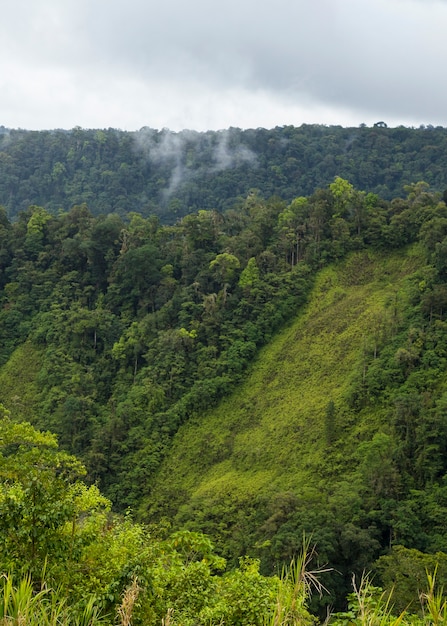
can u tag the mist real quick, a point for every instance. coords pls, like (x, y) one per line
(189, 154)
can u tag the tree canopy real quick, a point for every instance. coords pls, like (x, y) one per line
(174, 174)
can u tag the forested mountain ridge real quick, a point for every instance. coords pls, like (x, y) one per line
(171, 174)
(120, 334)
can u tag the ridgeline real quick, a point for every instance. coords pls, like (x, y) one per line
(171, 174)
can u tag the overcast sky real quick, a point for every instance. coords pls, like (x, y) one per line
(202, 64)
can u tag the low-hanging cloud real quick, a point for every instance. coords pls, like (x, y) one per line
(226, 156)
(175, 151)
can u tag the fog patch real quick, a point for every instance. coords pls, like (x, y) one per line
(188, 155)
(227, 156)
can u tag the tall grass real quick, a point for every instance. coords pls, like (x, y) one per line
(296, 585)
(371, 606)
(126, 608)
(374, 606)
(434, 603)
(21, 605)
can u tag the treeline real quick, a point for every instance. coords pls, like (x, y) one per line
(173, 174)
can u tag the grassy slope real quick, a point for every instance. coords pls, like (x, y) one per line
(269, 437)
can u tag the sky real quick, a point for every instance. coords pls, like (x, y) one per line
(206, 65)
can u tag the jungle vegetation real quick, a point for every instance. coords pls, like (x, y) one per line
(183, 402)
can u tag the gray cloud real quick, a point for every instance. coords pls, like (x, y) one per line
(204, 65)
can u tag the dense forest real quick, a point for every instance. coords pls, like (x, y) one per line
(172, 174)
(188, 407)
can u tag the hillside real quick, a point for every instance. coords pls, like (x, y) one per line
(121, 336)
(294, 449)
(272, 434)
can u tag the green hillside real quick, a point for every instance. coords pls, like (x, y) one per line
(152, 353)
(271, 434)
(293, 449)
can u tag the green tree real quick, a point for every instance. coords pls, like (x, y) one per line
(249, 276)
(224, 267)
(36, 498)
(405, 571)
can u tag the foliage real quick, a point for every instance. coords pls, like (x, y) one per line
(22, 605)
(370, 605)
(405, 571)
(61, 536)
(274, 369)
